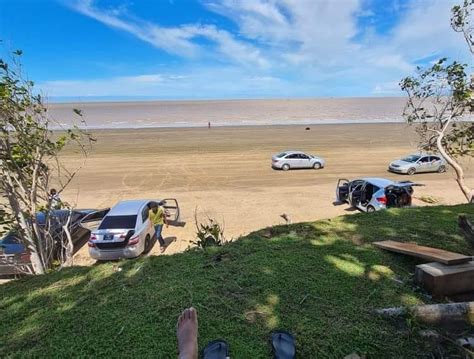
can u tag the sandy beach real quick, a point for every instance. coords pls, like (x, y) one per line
(225, 173)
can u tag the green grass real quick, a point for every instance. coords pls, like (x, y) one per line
(319, 280)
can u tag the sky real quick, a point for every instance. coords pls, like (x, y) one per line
(225, 49)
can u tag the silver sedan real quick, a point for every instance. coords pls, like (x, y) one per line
(419, 163)
(296, 159)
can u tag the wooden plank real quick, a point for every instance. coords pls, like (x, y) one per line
(440, 280)
(428, 253)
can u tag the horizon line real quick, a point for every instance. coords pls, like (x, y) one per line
(117, 99)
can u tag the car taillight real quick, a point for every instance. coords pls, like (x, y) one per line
(25, 257)
(133, 240)
(93, 237)
(382, 200)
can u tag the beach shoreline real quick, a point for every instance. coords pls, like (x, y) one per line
(174, 114)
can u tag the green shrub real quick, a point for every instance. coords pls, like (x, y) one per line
(209, 232)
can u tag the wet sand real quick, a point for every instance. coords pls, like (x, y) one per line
(225, 173)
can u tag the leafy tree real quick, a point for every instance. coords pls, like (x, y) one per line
(461, 21)
(30, 163)
(438, 99)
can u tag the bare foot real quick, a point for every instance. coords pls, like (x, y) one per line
(187, 333)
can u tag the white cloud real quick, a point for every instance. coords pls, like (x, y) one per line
(316, 45)
(175, 40)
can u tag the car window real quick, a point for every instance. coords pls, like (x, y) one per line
(293, 156)
(112, 222)
(145, 212)
(303, 156)
(283, 154)
(411, 158)
(434, 158)
(10, 239)
(425, 159)
(356, 185)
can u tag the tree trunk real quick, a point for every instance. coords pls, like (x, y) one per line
(434, 313)
(36, 263)
(29, 237)
(68, 246)
(468, 192)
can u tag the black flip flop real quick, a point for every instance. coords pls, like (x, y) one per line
(217, 349)
(283, 345)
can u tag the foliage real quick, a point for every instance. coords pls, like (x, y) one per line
(461, 21)
(320, 280)
(29, 158)
(209, 232)
(438, 97)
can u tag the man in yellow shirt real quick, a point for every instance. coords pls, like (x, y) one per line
(157, 217)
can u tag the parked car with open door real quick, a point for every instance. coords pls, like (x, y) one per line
(418, 163)
(373, 194)
(15, 256)
(126, 231)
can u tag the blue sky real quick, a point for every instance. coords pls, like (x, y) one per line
(201, 49)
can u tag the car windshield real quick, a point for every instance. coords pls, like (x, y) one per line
(118, 222)
(281, 155)
(411, 158)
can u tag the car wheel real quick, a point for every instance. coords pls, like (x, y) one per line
(411, 171)
(442, 169)
(285, 167)
(370, 209)
(147, 244)
(317, 166)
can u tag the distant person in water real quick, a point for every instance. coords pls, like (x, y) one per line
(157, 217)
(54, 199)
(209, 125)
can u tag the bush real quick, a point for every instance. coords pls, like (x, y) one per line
(209, 232)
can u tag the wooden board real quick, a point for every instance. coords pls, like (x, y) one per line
(428, 253)
(441, 280)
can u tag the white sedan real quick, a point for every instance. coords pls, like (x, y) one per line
(295, 160)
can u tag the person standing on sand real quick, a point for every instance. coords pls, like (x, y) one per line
(157, 217)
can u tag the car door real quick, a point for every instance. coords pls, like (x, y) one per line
(145, 218)
(172, 211)
(305, 161)
(293, 160)
(435, 163)
(400, 192)
(423, 164)
(143, 224)
(92, 220)
(342, 190)
(355, 192)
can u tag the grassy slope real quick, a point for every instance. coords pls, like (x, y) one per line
(319, 280)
